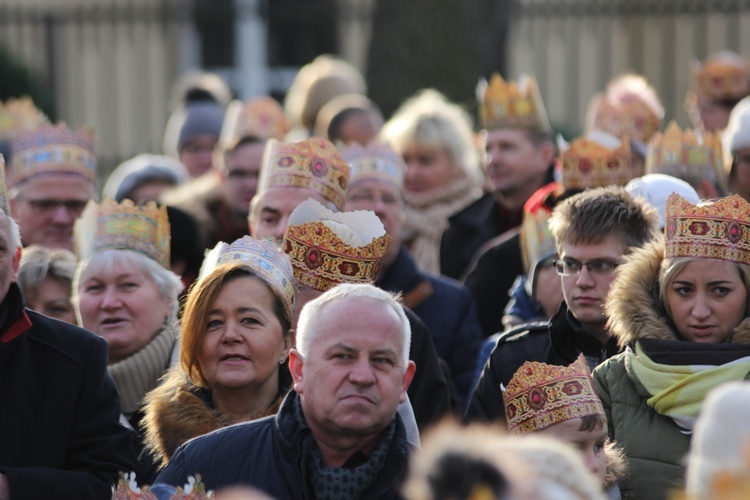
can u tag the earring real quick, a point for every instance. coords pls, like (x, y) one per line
(281, 361)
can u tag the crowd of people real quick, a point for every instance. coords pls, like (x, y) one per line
(311, 301)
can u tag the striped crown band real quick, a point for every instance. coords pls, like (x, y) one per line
(376, 161)
(511, 104)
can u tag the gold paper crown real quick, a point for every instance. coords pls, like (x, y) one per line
(262, 118)
(537, 241)
(53, 149)
(718, 229)
(540, 395)
(511, 104)
(588, 164)
(125, 226)
(4, 203)
(19, 115)
(686, 155)
(375, 161)
(723, 77)
(633, 119)
(321, 258)
(313, 164)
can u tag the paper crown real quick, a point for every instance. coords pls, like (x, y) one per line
(53, 149)
(376, 161)
(686, 155)
(266, 260)
(537, 241)
(262, 118)
(19, 115)
(4, 203)
(725, 76)
(633, 119)
(540, 395)
(313, 164)
(718, 229)
(328, 248)
(124, 226)
(587, 163)
(510, 104)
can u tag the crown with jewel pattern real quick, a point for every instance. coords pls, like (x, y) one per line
(313, 164)
(328, 248)
(4, 203)
(124, 226)
(53, 149)
(540, 395)
(586, 163)
(717, 229)
(266, 260)
(724, 76)
(633, 119)
(262, 118)
(686, 155)
(19, 115)
(511, 104)
(376, 161)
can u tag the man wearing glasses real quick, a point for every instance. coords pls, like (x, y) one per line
(51, 178)
(593, 230)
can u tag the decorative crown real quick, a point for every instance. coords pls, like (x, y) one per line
(328, 248)
(718, 229)
(723, 77)
(375, 161)
(4, 203)
(53, 149)
(537, 241)
(510, 104)
(633, 119)
(540, 395)
(262, 118)
(265, 258)
(126, 226)
(686, 155)
(19, 115)
(313, 164)
(588, 164)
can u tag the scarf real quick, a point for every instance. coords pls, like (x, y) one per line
(427, 219)
(676, 376)
(138, 374)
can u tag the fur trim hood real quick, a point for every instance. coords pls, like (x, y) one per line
(633, 306)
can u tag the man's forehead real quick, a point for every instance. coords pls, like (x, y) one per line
(371, 184)
(609, 247)
(56, 186)
(276, 198)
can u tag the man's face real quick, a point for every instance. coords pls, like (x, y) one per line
(586, 291)
(354, 377)
(240, 175)
(10, 257)
(385, 200)
(513, 161)
(46, 208)
(197, 154)
(273, 208)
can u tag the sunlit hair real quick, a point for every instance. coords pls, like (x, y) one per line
(307, 326)
(14, 232)
(39, 262)
(198, 306)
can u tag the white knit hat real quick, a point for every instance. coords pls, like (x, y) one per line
(737, 134)
(656, 188)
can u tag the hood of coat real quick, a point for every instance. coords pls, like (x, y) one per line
(633, 306)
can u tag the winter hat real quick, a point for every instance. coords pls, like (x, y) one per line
(140, 170)
(737, 134)
(656, 188)
(201, 118)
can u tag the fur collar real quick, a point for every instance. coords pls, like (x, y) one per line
(633, 306)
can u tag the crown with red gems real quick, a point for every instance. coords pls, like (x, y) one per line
(537, 241)
(509, 104)
(52, 149)
(266, 260)
(125, 226)
(686, 155)
(724, 76)
(587, 163)
(262, 118)
(314, 164)
(327, 248)
(4, 203)
(376, 161)
(19, 115)
(540, 395)
(633, 119)
(717, 229)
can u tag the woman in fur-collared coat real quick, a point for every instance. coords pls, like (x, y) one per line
(683, 322)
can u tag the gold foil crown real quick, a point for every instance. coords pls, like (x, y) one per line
(587, 163)
(376, 161)
(541, 395)
(312, 164)
(686, 155)
(53, 149)
(509, 104)
(328, 248)
(725, 76)
(262, 118)
(124, 226)
(718, 229)
(19, 115)
(4, 201)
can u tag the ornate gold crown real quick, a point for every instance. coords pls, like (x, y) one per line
(328, 248)
(265, 258)
(53, 149)
(511, 104)
(537, 241)
(262, 118)
(722, 78)
(686, 155)
(19, 115)
(718, 229)
(126, 226)
(313, 164)
(3, 188)
(633, 119)
(588, 164)
(375, 161)
(540, 395)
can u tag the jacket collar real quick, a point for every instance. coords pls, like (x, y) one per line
(569, 338)
(402, 275)
(16, 319)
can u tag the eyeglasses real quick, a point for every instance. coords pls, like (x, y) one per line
(240, 175)
(48, 208)
(595, 267)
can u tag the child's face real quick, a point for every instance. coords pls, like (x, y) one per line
(591, 443)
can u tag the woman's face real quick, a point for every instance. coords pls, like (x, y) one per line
(124, 306)
(428, 169)
(52, 298)
(707, 300)
(244, 340)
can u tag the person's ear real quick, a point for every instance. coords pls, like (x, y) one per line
(411, 368)
(296, 362)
